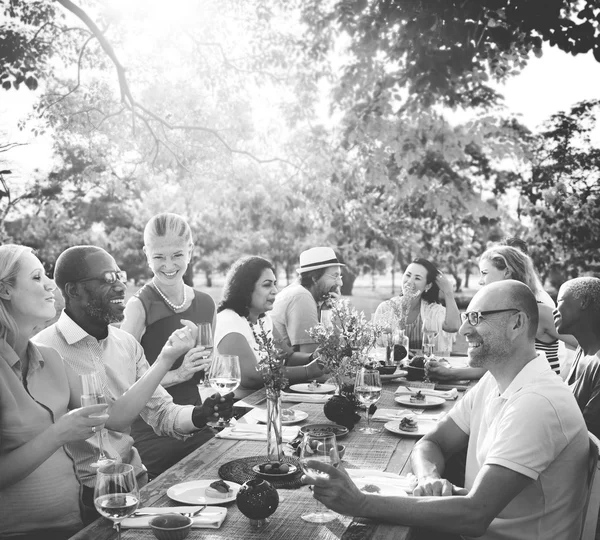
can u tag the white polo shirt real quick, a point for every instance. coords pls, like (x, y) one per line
(536, 429)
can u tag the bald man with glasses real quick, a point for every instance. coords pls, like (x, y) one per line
(526, 440)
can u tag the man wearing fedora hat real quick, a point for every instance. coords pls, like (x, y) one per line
(298, 307)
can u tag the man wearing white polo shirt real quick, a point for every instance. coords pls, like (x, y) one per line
(527, 443)
(298, 307)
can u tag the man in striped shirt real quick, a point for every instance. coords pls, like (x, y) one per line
(90, 282)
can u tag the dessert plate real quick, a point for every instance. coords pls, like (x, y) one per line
(292, 470)
(430, 401)
(195, 492)
(309, 388)
(424, 426)
(260, 415)
(381, 483)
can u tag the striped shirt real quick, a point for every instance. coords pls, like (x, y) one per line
(551, 352)
(120, 361)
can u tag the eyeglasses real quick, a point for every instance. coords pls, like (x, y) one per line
(474, 317)
(334, 276)
(110, 277)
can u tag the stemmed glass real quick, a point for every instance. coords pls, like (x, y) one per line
(116, 495)
(429, 337)
(93, 394)
(205, 339)
(367, 389)
(224, 376)
(319, 447)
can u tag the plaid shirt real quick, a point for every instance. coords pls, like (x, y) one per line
(120, 361)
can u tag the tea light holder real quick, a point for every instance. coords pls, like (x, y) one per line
(257, 499)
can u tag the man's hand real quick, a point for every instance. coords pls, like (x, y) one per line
(437, 487)
(337, 492)
(213, 407)
(437, 371)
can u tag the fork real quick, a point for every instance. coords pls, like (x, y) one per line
(187, 514)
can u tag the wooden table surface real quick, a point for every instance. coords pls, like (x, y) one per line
(285, 522)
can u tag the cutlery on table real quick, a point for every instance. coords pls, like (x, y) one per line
(140, 513)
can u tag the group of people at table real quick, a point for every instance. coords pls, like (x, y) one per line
(525, 430)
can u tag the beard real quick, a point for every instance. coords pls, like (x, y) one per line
(101, 309)
(490, 351)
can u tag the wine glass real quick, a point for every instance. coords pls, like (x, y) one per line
(205, 339)
(116, 495)
(367, 389)
(318, 447)
(93, 394)
(429, 339)
(224, 376)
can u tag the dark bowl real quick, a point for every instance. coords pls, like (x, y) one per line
(414, 374)
(386, 370)
(171, 526)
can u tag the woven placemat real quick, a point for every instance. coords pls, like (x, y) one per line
(240, 471)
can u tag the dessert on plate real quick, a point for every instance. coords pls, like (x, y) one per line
(218, 490)
(288, 414)
(408, 423)
(417, 398)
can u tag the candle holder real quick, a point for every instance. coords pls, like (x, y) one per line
(257, 499)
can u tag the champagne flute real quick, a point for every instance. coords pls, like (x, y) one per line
(116, 495)
(429, 337)
(318, 447)
(205, 339)
(93, 394)
(224, 376)
(367, 389)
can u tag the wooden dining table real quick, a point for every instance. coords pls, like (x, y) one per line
(384, 451)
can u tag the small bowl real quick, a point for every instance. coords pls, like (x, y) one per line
(340, 448)
(171, 526)
(386, 370)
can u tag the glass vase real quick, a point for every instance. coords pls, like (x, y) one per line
(274, 433)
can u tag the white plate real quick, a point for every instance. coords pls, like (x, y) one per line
(388, 483)
(306, 388)
(260, 415)
(430, 401)
(424, 426)
(195, 492)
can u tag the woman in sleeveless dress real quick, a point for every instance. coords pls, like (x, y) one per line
(152, 315)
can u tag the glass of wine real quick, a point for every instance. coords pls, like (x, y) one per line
(116, 495)
(205, 339)
(367, 389)
(93, 394)
(224, 376)
(429, 340)
(318, 447)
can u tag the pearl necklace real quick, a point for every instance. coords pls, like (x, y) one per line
(173, 306)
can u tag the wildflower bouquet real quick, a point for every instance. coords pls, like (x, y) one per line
(271, 360)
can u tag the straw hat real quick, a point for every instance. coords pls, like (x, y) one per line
(316, 258)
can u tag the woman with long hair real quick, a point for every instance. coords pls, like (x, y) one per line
(152, 315)
(39, 409)
(248, 296)
(418, 306)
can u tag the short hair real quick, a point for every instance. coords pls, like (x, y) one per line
(240, 282)
(308, 278)
(10, 256)
(433, 294)
(167, 224)
(517, 243)
(518, 263)
(70, 265)
(585, 288)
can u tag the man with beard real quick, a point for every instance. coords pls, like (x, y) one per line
(579, 314)
(298, 307)
(90, 282)
(527, 443)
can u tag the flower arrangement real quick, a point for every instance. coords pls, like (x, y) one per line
(271, 360)
(401, 305)
(343, 346)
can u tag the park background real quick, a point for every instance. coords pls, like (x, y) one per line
(386, 130)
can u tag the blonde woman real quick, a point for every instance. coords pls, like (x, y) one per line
(152, 315)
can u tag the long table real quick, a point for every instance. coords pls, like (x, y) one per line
(385, 451)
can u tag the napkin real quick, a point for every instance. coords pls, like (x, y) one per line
(385, 415)
(256, 432)
(304, 398)
(447, 394)
(387, 484)
(210, 518)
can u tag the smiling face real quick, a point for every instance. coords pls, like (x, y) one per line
(329, 282)
(168, 258)
(102, 302)
(488, 273)
(415, 278)
(568, 311)
(264, 293)
(31, 298)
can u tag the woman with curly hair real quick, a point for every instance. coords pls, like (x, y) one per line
(249, 293)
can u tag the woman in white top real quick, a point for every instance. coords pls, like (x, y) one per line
(249, 293)
(418, 308)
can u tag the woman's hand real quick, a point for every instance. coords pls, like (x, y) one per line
(180, 341)
(444, 284)
(77, 424)
(196, 359)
